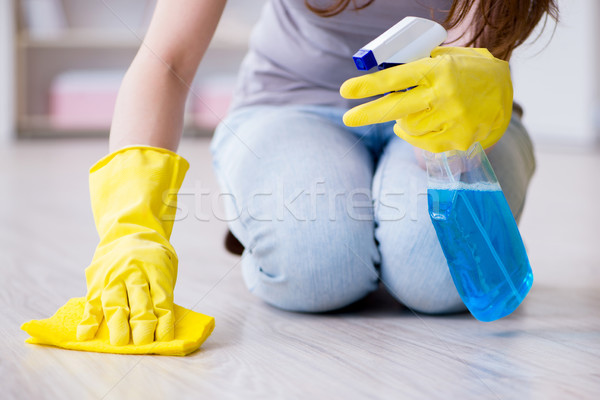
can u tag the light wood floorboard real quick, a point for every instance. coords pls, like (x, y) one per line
(549, 349)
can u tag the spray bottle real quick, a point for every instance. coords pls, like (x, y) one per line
(474, 224)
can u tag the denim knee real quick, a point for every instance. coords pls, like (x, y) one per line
(414, 269)
(311, 268)
(421, 284)
(434, 295)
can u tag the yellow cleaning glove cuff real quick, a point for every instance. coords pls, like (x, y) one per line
(60, 330)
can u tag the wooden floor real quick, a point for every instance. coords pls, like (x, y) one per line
(549, 349)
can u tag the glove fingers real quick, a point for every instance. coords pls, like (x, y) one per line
(421, 123)
(387, 80)
(425, 141)
(162, 297)
(389, 108)
(142, 319)
(91, 319)
(116, 311)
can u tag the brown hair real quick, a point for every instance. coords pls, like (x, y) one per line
(337, 7)
(499, 25)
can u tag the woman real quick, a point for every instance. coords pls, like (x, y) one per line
(302, 183)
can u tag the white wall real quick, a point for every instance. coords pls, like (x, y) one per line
(6, 71)
(558, 84)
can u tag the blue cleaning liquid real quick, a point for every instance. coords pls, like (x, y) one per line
(483, 247)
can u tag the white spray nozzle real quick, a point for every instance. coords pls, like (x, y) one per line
(411, 39)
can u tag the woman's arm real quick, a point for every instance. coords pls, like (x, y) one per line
(151, 100)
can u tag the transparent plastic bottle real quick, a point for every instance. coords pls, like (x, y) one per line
(477, 232)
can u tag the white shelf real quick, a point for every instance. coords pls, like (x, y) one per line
(91, 39)
(96, 39)
(42, 125)
(73, 38)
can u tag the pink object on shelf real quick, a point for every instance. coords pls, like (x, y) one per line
(84, 99)
(211, 99)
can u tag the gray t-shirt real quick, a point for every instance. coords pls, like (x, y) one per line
(298, 57)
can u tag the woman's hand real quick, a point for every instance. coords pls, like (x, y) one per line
(130, 283)
(457, 97)
(131, 279)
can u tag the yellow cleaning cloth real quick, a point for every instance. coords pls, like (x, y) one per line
(60, 330)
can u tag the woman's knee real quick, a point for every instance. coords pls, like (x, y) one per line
(430, 292)
(432, 295)
(514, 164)
(414, 269)
(312, 270)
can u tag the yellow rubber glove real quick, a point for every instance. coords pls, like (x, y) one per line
(132, 275)
(462, 96)
(60, 330)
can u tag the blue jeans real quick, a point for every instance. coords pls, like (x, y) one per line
(325, 212)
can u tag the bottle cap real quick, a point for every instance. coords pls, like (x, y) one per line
(364, 60)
